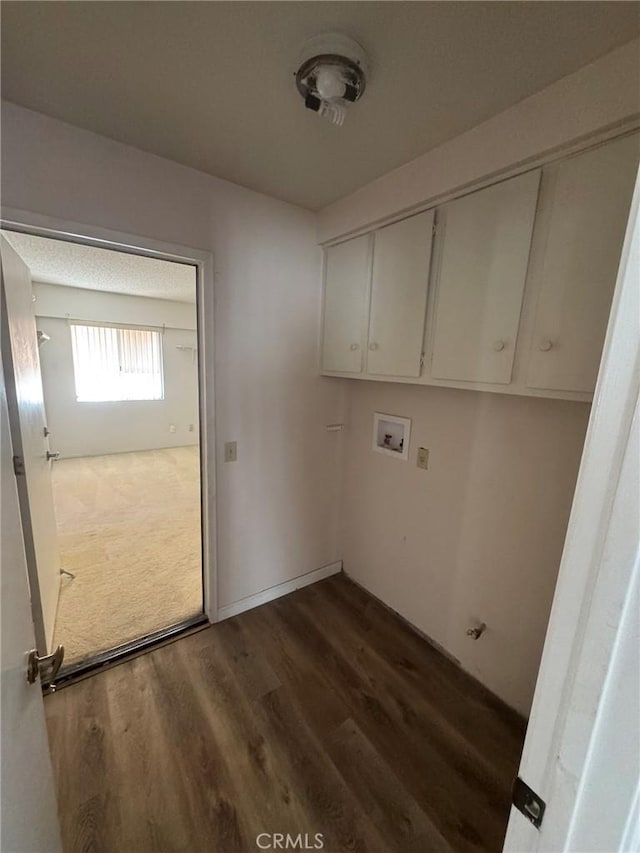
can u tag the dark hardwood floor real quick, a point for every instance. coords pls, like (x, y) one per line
(321, 712)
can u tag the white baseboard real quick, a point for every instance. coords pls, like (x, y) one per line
(277, 591)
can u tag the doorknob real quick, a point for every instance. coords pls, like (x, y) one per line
(53, 454)
(47, 666)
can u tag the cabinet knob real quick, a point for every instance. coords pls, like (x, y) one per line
(373, 346)
(354, 347)
(545, 345)
(499, 346)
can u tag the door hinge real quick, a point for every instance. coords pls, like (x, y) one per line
(18, 466)
(528, 802)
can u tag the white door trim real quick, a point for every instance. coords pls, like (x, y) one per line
(40, 225)
(594, 582)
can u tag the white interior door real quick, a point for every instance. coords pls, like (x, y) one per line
(400, 280)
(27, 798)
(485, 238)
(582, 749)
(30, 442)
(346, 291)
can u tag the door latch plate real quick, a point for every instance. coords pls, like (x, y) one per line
(528, 802)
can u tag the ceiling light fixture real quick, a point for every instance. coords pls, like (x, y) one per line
(331, 75)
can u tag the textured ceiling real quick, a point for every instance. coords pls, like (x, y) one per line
(210, 84)
(74, 265)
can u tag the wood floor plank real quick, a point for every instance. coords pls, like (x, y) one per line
(440, 785)
(321, 712)
(465, 700)
(333, 808)
(154, 812)
(319, 703)
(84, 767)
(203, 729)
(427, 714)
(381, 793)
(250, 665)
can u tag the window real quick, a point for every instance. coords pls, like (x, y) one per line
(112, 363)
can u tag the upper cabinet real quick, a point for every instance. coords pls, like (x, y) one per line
(584, 206)
(485, 240)
(375, 300)
(522, 278)
(346, 299)
(400, 279)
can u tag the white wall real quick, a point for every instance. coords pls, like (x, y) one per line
(602, 95)
(277, 505)
(77, 303)
(476, 538)
(93, 429)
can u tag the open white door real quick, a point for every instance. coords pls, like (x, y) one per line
(582, 750)
(30, 442)
(28, 819)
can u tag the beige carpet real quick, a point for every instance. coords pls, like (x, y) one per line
(129, 529)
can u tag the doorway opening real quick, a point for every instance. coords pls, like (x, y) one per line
(107, 343)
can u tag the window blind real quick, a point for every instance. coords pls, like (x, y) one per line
(112, 363)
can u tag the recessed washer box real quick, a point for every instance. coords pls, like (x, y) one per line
(391, 435)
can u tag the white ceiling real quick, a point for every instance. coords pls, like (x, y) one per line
(210, 84)
(75, 265)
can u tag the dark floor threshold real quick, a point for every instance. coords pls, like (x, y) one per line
(126, 651)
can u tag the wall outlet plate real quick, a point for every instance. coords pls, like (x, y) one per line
(230, 451)
(423, 458)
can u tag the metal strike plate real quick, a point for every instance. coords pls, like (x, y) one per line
(528, 802)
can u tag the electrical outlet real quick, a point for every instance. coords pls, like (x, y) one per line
(423, 458)
(190, 427)
(231, 451)
(172, 427)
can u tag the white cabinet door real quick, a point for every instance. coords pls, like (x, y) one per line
(400, 280)
(345, 305)
(585, 204)
(485, 251)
